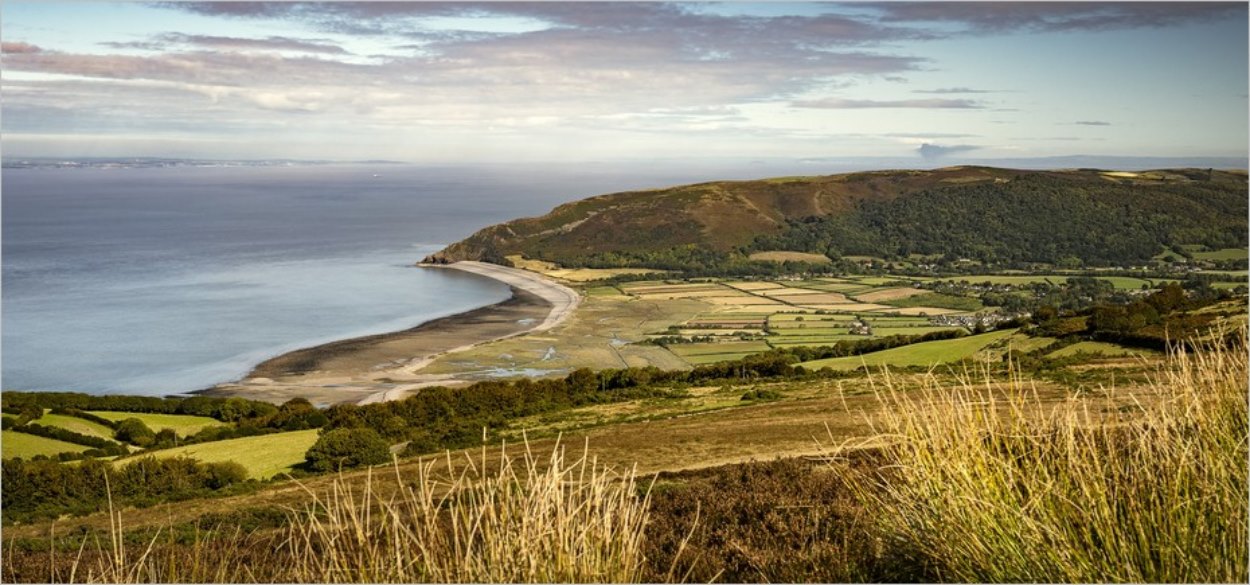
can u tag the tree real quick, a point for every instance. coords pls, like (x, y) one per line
(166, 438)
(343, 448)
(133, 431)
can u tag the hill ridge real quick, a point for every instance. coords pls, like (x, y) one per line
(1127, 217)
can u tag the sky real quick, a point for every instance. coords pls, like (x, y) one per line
(433, 82)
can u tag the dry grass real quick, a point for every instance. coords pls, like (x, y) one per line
(992, 487)
(782, 256)
(532, 520)
(891, 294)
(542, 522)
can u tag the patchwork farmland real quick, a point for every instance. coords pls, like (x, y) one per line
(746, 317)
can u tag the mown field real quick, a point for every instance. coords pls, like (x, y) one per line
(1099, 348)
(17, 444)
(263, 456)
(183, 425)
(75, 424)
(924, 354)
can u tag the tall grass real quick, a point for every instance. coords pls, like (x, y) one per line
(537, 521)
(992, 484)
(526, 520)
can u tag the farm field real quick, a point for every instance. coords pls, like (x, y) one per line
(1099, 348)
(182, 424)
(576, 274)
(790, 256)
(602, 333)
(1119, 282)
(928, 353)
(1011, 279)
(73, 423)
(17, 444)
(707, 353)
(802, 312)
(264, 456)
(1223, 254)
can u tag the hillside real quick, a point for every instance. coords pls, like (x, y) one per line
(991, 215)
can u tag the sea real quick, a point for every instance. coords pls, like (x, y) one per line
(159, 281)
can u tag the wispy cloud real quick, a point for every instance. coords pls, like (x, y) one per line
(955, 90)
(998, 17)
(1092, 123)
(852, 104)
(19, 48)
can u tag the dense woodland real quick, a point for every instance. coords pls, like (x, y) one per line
(1032, 219)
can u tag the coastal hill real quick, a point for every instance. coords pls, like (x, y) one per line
(990, 215)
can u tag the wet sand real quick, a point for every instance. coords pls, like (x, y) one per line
(387, 366)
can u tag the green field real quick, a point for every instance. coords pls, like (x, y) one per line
(1098, 348)
(882, 280)
(895, 321)
(78, 425)
(938, 300)
(795, 330)
(15, 444)
(183, 424)
(264, 456)
(1012, 279)
(1024, 344)
(917, 354)
(707, 353)
(1224, 254)
(888, 331)
(809, 318)
(1127, 283)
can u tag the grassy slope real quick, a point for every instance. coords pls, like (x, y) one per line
(23, 445)
(919, 354)
(1098, 347)
(183, 424)
(724, 215)
(263, 456)
(76, 424)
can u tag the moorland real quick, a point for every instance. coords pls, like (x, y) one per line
(967, 374)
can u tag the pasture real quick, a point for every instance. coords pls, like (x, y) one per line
(707, 353)
(1223, 254)
(182, 424)
(925, 354)
(1099, 348)
(15, 444)
(73, 423)
(264, 456)
(776, 256)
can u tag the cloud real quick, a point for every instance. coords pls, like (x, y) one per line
(930, 151)
(950, 90)
(926, 135)
(273, 43)
(19, 48)
(849, 104)
(1092, 123)
(1001, 17)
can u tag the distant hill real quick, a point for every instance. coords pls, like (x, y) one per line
(992, 215)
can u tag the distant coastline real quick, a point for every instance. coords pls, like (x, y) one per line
(387, 366)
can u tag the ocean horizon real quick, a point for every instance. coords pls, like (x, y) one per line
(161, 281)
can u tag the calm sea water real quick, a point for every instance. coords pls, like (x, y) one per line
(157, 281)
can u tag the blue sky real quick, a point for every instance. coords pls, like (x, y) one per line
(460, 82)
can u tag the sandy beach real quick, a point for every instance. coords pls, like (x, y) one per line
(388, 366)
